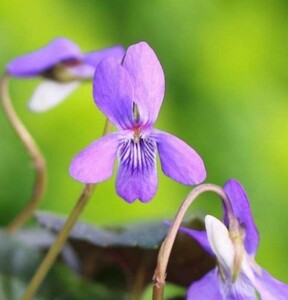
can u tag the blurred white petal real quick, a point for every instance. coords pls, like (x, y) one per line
(49, 93)
(220, 242)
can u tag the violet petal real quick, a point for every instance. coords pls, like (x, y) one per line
(270, 288)
(34, 63)
(205, 288)
(96, 162)
(178, 160)
(241, 209)
(113, 92)
(80, 71)
(147, 78)
(95, 57)
(242, 289)
(137, 175)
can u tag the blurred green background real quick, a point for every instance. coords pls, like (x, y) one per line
(226, 71)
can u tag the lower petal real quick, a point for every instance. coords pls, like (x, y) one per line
(270, 288)
(241, 289)
(205, 288)
(137, 175)
(96, 162)
(178, 160)
(50, 93)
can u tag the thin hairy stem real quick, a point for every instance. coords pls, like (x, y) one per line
(62, 236)
(33, 151)
(166, 247)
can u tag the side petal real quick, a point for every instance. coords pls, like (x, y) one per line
(96, 162)
(148, 80)
(137, 175)
(178, 160)
(270, 288)
(241, 209)
(34, 63)
(113, 92)
(205, 288)
(49, 93)
(200, 237)
(94, 58)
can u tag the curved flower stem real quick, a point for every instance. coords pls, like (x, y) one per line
(62, 236)
(33, 151)
(166, 247)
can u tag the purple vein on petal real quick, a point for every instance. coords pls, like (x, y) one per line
(137, 175)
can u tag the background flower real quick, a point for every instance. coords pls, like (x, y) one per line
(230, 281)
(63, 67)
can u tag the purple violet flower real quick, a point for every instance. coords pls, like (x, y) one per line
(63, 67)
(232, 279)
(130, 95)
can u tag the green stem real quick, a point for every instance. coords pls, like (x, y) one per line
(34, 152)
(166, 247)
(62, 236)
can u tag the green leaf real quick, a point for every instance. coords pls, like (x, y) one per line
(148, 235)
(120, 257)
(19, 261)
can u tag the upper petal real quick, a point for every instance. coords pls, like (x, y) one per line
(270, 288)
(95, 163)
(137, 174)
(113, 92)
(34, 63)
(94, 58)
(241, 209)
(49, 93)
(205, 288)
(178, 160)
(147, 78)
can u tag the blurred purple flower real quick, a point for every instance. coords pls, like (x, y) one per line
(130, 94)
(231, 280)
(63, 67)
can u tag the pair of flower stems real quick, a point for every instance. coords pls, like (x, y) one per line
(39, 186)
